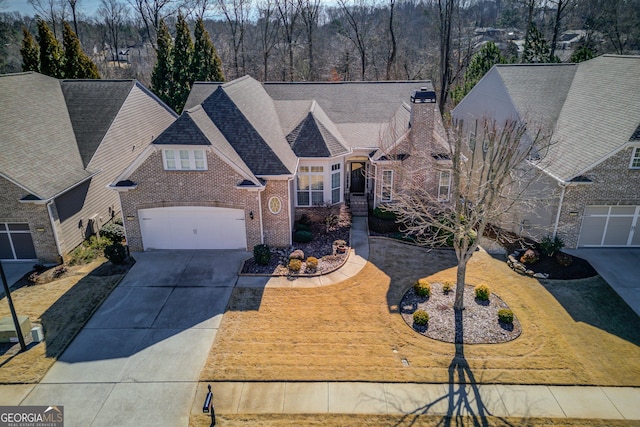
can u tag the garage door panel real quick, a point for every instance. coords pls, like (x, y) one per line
(592, 230)
(193, 227)
(618, 230)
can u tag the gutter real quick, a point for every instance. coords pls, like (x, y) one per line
(555, 227)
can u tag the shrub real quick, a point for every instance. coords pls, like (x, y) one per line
(262, 254)
(482, 292)
(295, 265)
(297, 254)
(447, 287)
(304, 219)
(339, 243)
(312, 263)
(301, 227)
(58, 271)
(384, 214)
(530, 257)
(420, 317)
(302, 236)
(550, 246)
(563, 259)
(88, 250)
(118, 221)
(113, 232)
(116, 253)
(505, 315)
(422, 288)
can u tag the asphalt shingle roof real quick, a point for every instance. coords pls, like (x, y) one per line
(93, 106)
(245, 116)
(38, 144)
(182, 132)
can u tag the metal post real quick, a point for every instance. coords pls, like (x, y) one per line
(16, 322)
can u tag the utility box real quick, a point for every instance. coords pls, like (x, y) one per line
(37, 333)
(8, 330)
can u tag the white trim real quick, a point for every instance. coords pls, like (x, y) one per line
(604, 158)
(54, 230)
(273, 198)
(635, 155)
(555, 227)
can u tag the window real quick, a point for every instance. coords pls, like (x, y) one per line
(335, 183)
(444, 186)
(275, 205)
(387, 185)
(635, 159)
(310, 185)
(184, 160)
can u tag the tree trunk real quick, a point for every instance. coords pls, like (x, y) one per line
(556, 29)
(392, 55)
(461, 273)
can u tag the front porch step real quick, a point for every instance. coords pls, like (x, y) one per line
(359, 206)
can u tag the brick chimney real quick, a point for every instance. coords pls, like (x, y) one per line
(423, 110)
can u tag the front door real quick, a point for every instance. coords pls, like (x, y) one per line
(358, 178)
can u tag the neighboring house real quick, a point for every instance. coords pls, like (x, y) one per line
(246, 158)
(592, 170)
(62, 143)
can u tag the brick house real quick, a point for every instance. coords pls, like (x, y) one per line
(592, 170)
(62, 143)
(246, 158)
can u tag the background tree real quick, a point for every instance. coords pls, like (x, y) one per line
(562, 8)
(393, 45)
(73, 5)
(288, 13)
(53, 11)
(205, 64)
(51, 55)
(77, 65)
(151, 12)
(583, 53)
(536, 48)
(113, 14)
(357, 28)
(446, 11)
(267, 33)
(181, 55)
(488, 56)
(310, 12)
(491, 177)
(161, 76)
(236, 14)
(30, 52)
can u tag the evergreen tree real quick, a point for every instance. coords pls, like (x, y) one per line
(206, 65)
(30, 52)
(77, 65)
(51, 55)
(181, 65)
(488, 56)
(161, 83)
(583, 53)
(536, 48)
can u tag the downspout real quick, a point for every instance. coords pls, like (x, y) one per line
(53, 227)
(555, 228)
(260, 212)
(291, 208)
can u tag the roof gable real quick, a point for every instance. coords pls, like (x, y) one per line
(93, 106)
(39, 150)
(256, 151)
(182, 132)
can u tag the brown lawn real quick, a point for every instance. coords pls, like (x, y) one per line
(62, 307)
(351, 331)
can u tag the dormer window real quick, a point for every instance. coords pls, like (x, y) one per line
(185, 160)
(635, 159)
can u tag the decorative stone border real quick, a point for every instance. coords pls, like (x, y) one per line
(520, 268)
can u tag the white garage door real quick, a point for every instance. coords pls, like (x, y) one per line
(192, 227)
(610, 226)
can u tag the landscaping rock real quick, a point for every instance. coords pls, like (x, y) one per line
(297, 254)
(541, 275)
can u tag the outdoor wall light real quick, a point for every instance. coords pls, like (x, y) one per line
(573, 213)
(130, 218)
(251, 214)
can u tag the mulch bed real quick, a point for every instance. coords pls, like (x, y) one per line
(321, 247)
(480, 323)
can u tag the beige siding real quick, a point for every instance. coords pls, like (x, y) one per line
(140, 119)
(214, 187)
(11, 210)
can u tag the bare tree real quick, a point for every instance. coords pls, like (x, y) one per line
(197, 8)
(562, 8)
(236, 14)
(391, 59)
(52, 11)
(489, 177)
(357, 29)
(151, 12)
(309, 11)
(267, 33)
(446, 11)
(73, 4)
(288, 12)
(113, 14)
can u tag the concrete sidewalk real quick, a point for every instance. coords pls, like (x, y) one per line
(422, 399)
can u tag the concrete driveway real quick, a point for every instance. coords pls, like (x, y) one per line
(138, 360)
(620, 267)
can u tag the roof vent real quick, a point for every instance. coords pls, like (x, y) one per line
(423, 95)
